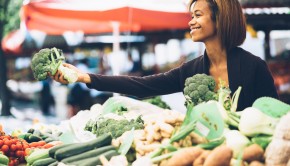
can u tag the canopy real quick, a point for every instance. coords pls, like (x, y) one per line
(58, 17)
(96, 16)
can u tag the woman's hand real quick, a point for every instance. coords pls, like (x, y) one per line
(82, 77)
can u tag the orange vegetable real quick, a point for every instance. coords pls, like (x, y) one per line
(200, 160)
(185, 156)
(253, 152)
(220, 156)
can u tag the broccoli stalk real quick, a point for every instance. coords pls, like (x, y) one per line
(49, 61)
(229, 105)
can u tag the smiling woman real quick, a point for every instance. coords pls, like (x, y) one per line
(221, 26)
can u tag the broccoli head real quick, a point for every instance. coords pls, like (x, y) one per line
(49, 61)
(200, 88)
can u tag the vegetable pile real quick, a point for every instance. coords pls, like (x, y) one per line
(49, 61)
(124, 131)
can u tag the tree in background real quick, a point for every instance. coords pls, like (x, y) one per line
(9, 21)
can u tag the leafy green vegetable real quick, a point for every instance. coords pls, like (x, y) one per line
(49, 61)
(158, 102)
(115, 127)
(212, 144)
(262, 140)
(210, 123)
(125, 146)
(113, 105)
(272, 107)
(204, 119)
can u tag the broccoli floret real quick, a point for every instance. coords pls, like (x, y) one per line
(200, 88)
(115, 127)
(49, 61)
(210, 96)
(158, 102)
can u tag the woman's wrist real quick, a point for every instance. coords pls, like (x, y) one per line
(85, 78)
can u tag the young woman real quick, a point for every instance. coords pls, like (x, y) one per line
(221, 26)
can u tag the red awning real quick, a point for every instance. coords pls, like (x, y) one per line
(95, 16)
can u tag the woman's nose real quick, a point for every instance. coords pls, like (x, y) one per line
(192, 22)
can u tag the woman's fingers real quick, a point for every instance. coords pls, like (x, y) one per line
(59, 77)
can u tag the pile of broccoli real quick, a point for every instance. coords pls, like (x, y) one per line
(200, 88)
(49, 61)
(115, 127)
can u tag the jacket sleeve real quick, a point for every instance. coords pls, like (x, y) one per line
(147, 86)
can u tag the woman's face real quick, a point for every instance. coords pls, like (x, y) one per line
(202, 26)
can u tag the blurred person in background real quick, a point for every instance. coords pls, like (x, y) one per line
(47, 102)
(221, 26)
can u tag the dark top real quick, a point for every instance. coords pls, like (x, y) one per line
(244, 69)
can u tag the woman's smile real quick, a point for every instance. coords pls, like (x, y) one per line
(193, 29)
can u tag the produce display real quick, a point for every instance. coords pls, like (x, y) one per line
(125, 131)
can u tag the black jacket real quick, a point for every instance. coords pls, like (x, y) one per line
(244, 69)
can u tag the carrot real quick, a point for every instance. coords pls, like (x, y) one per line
(220, 156)
(46, 146)
(185, 156)
(33, 144)
(41, 143)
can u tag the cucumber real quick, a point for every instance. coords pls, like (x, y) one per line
(88, 154)
(34, 138)
(3, 159)
(44, 162)
(78, 148)
(54, 163)
(96, 160)
(52, 150)
(37, 155)
(31, 130)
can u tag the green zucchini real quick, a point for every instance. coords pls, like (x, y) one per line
(88, 154)
(78, 148)
(54, 163)
(44, 162)
(52, 150)
(3, 159)
(31, 130)
(96, 160)
(34, 138)
(37, 155)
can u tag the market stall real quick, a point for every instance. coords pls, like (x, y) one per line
(126, 131)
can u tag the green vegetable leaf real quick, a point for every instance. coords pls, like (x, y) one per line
(212, 144)
(272, 107)
(262, 140)
(125, 146)
(210, 123)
